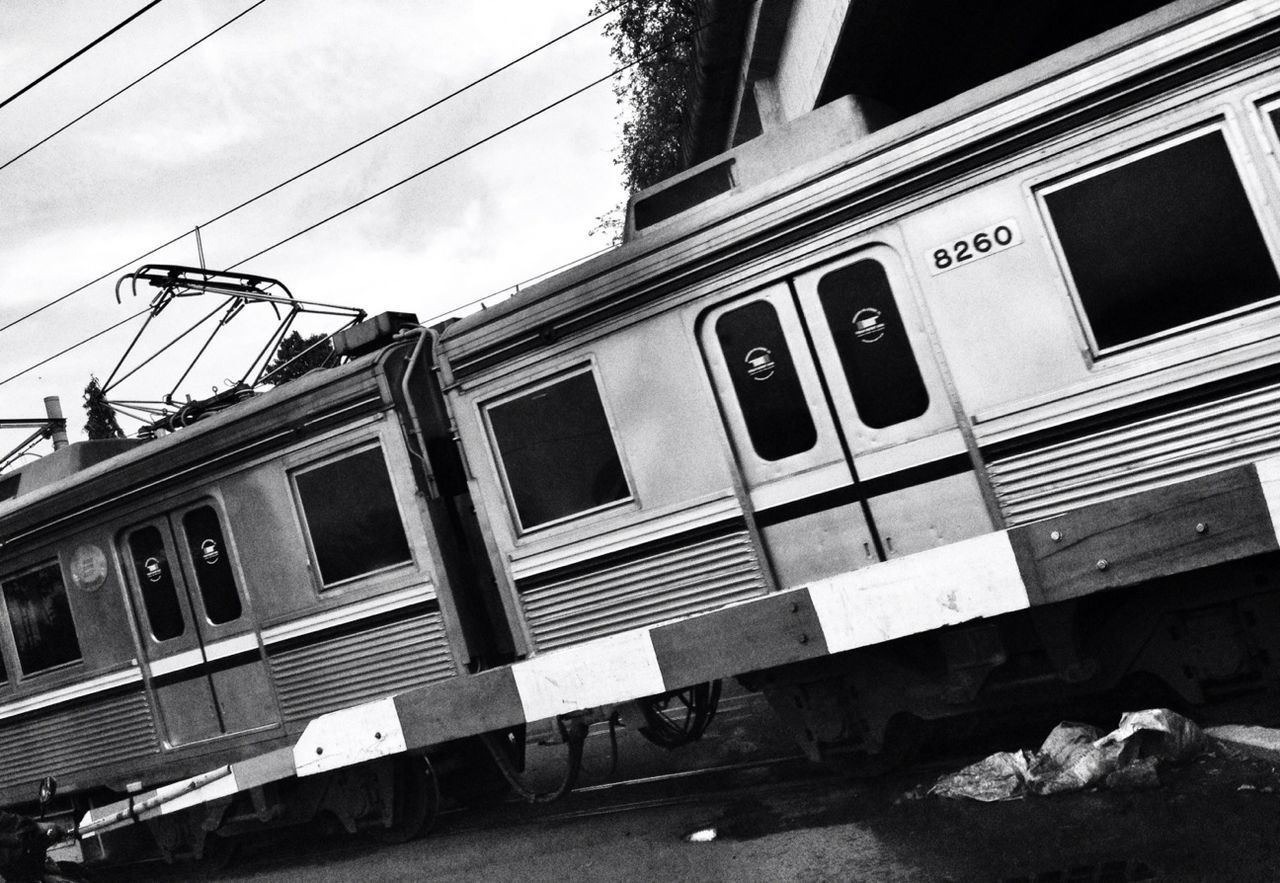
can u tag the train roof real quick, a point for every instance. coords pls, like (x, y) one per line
(259, 424)
(780, 191)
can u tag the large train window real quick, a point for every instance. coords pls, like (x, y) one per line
(1161, 240)
(154, 573)
(43, 630)
(869, 335)
(556, 450)
(765, 381)
(351, 516)
(212, 565)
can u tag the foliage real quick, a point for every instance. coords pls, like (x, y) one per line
(659, 36)
(102, 417)
(311, 352)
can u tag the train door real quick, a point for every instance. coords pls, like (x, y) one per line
(847, 441)
(199, 640)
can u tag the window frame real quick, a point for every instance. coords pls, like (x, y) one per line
(16, 675)
(328, 456)
(1126, 151)
(499, 466)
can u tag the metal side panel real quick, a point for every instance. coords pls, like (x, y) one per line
(1174, 447)
(327, 674)
(91, 734)
(690, 579)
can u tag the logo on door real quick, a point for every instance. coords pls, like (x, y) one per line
(209, 551)
(760, 364)
(154, 569)
(867, 325)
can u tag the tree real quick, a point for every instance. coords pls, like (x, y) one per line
(296, 355)
(102, 417)
(659, 36)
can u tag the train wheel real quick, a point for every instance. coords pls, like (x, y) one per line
(903, 737)
(415, 801)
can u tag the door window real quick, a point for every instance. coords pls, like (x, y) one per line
(212, 565)
(154, 573)
(765, 381)
(869, 336)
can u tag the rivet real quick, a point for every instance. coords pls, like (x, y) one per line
(1102, 564)
(804, 639)
(319, 750)
(377, 735)
(1201, 527)
(1055, 535)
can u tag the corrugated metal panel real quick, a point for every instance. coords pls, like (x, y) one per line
(365, 665)
(690, 579)
(89, 735)
(1145, 454)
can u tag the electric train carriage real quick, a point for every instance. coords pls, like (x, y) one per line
(976, 411)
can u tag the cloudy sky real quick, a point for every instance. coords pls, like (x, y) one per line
(285, 86)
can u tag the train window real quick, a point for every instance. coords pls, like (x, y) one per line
(41, 618)
(155, 579)
(557, 450)
(765, 381)
(352, 517)
(1161, 241)
(871, 339)
(212, 565)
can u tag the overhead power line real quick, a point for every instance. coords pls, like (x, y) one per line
(113, 96)
(66, 61)
(299, 175)
(576, 92)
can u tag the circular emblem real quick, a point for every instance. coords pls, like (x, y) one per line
(153, 569)
(760, 364)
(867, 325)
(209, 551)
(88, 567)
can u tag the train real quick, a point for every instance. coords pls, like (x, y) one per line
(970, 412)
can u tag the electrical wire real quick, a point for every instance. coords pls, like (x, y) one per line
(308, 171)
(367, 199)
(457, 153)
(73, 346)
(66, 61)
(119, 92)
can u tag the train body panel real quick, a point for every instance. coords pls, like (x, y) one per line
(207, 595)
(971, 410)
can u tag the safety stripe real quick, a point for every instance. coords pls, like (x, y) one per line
(981, 577)
(955, 583)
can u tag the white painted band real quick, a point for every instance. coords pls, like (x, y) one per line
(352, 735)
(231, 646)
(75, 691)
(612, 669)
(177, 662)
(349, 613)
(1269, 477)
(944, 586)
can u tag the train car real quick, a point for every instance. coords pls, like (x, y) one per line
(1050, 292)
(966, 413)
(198, 598)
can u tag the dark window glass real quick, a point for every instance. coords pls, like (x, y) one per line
(557, 451)
(155, 578)
(352, 516)
(41, 619)
(872, 342)
(1162, 241)
(212, 564)
(765, 381)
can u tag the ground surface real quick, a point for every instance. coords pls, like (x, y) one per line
(1217, 818)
